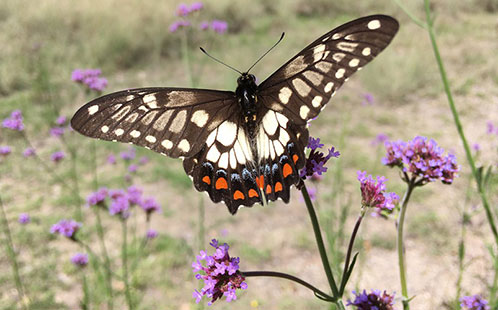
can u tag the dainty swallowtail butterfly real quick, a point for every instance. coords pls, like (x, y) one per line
(247, 146)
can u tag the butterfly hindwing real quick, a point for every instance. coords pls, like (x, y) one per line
(301, 87)
(172, 121)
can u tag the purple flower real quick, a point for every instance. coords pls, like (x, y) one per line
(14, 121)
(111, 159)
(178, 24)
(98, 197)
(61, 120)
(150, 205)
(315, 163)
(219, 26)
(143, 160)
(57, 131)
(57, 156)
(380, 139)
(421, 160)
(90, 77)
(134, 195)
(80, 259)
(204, 25)
(5, 150)
(28, 152)
(220, 273)
(196, 6)
(372, 301)
(120, 206)
(67, 228)
(490, 128)
(182, 10)
(116, 193)
(128, 155)
(368, 99)
(476, 147)
(373, 193)
(24, 218)
(132, 168)
(151, 234)
(475, 302)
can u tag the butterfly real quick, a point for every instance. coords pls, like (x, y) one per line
(247, 146)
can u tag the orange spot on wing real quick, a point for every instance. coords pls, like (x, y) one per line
(238, 195)
(287, 170)
(295, 158)
(268, 189)
(206, 180)
(253, 193)
(278, 187)
(221, 183)
(260, 181)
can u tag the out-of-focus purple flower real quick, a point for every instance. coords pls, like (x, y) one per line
(5, 150)
(80, 259)
(182, 10)
(132, 168)
(204, 25)
(422, 160)
(150, 205)
(315, 163)
(381, 138)
(219, 26)
(66, 228)
(116, 193)
(143, 160)
(28, 152)
(373, 192)
(196, 6)
(57, 156)
(134, 195)
(372, 301)
(111, 159)
(490, 128)
(98, 197)
(128, 155)
(90, 77)
(57, 131)
(475, 302)
(120, 206)
(368, 99)
(151, 234)
(14, 121)
(476, 147)
(220, 273)
(61, 120)
(24, 218)
(178, 24)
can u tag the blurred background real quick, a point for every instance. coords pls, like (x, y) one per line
(398, 96)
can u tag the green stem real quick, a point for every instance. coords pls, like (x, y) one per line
(93, 148)
(85, 303)
(401, 250)
(186, 57)
(124, 257)
(13, 259)
(458, 124)
(319, 242)
(350, 251)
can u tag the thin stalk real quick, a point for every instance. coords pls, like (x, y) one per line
(319, 242)
(13, 259)
(202, 217)
(141, 248)
(286, 276)
(74, 174)
(186, 57)
(456, 118)
(350, 250)
(93, 148)
(401, 250)
(124, 257)
(85, 303)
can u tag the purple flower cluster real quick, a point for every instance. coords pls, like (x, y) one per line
(24, 218)
(57, 131)
(5, 150)
(183, 11)
(91, 78)
(14, 121)
(28, 152)
(381, 138)
(218, 26)
(221, 274)
(57, 156)
(178, 24)
(98, 197)
(475, 302)
(368, 99)
(67, 228)
(373, 193)
(80, 259)
(316, 159)
(491, 129)
(128, 155)
(422, 160)
(372, 301)
(151, 234)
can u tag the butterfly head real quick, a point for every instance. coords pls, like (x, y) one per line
(246, 80)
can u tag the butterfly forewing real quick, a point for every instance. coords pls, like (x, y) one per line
(171, 121)
(302, 86)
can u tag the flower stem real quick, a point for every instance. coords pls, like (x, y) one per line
(348, 254)
(456, 118)
(13, 259)
(291, 278)
(107, 261)
(319, 242)
(124, 257)
(85, 303)
(401, 250)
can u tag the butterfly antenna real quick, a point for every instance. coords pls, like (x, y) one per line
(219, 61)
(281, 37)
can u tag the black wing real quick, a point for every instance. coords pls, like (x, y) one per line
(172, 121)
(301, 87)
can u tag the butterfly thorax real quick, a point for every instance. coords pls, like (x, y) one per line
(247, 98)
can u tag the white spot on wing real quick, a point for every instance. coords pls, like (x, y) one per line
(167, 144)
(279, 149)
(284, 95)
(130, 97)
(302, 88)
(373, 24)
(270, 122)
(213, 154)
(354, 62)
(104, 129)
(317, 101)
(295, 66)
(143, 108)
(121, 113)
(340, 73)
(282, 120)
(304, 111)
(119, 132)
(200, 118)
(324, 66)
(150, 99)
(135, 133)
(227, 132)
(328, 87)
(239, 153)
(233, 160)
(284, 137)
(184, 146)
(179, 122)
(338, 56)
(93, 109)
(212, 136)
(162, 120)
(150, 139)
(318, 52)
(347, 46)
(313, 77)
(336, 36)
(366, 51)
(223, 163)
(244, 144)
